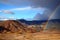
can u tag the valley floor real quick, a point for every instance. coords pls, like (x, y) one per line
(30, 36)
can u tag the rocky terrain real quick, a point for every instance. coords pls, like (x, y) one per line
(14, 26)
(11, 26)
(15, 30)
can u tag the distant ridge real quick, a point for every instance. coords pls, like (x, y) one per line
(32, 22)
(55, 20)
(37, 21)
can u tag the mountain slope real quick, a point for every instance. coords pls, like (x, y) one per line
(11, 25)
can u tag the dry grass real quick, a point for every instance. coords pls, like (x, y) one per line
(30, 36)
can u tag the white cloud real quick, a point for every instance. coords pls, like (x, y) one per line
(7, 11)
(0, 10)
(25, 8)
(3, 18)
(6, 18)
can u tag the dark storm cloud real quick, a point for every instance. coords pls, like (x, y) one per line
(56, 14)
(49, 14)
(16, 2)
(50, 4)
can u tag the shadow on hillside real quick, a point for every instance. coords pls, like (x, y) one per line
(2, 29)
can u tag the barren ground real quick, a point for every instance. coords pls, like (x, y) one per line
(30, 36)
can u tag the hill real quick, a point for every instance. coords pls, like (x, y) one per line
(11, 26)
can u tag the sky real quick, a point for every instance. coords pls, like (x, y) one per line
(26, 9)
